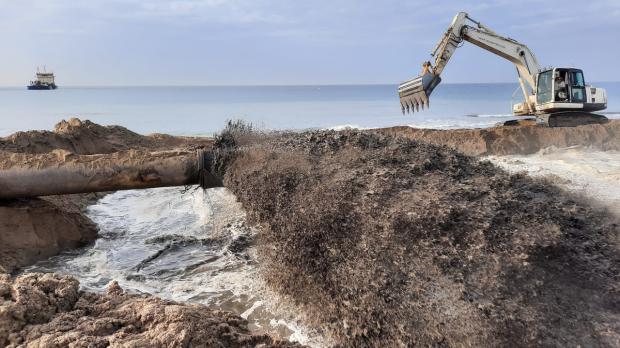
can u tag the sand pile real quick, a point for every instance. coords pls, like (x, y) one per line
(47, 310)
(384, 241)
(85, 138)
(516, 140)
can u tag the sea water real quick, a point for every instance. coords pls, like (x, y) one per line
(204, 110)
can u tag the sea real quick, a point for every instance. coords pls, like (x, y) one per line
(162, 241)
(204, 110)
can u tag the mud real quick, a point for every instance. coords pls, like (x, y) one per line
(522, 140)
(48, 310)
(384, 241)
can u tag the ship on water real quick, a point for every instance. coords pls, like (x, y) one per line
(45, 80)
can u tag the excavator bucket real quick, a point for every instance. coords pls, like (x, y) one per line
(414, 93)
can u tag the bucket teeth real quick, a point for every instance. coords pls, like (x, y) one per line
(413, 102)
(418, 101)
(415, 92)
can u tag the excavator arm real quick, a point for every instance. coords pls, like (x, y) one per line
(415, 93)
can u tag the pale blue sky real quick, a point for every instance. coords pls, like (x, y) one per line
(239, 42)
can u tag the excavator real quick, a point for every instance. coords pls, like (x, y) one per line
(556, 97)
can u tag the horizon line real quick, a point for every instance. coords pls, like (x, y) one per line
(276, 85)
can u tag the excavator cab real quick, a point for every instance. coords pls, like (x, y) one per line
(564, 99)
(560, 85)
(561, 89)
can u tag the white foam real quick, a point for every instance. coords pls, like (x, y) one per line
(346, 127)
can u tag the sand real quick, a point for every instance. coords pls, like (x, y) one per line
(35, 229)
(48, 310)
(390, 239)
(385, 241)
(522, 140)
(85, 138)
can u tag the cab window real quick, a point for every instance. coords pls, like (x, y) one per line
(578, 90)
(577, 79)
(543, 89)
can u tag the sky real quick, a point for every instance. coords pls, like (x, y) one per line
(274, 42)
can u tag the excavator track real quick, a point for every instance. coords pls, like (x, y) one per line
(572, 119)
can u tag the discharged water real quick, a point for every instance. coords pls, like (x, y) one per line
(192, 246)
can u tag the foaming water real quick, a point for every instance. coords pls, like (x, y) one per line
(593, 173)
(193, 246)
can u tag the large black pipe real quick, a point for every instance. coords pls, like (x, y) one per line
(109, 172)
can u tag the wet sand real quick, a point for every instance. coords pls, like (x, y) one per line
(48, 310)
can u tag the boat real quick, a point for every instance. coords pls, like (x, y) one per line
(44, 81)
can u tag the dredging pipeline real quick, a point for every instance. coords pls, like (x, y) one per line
(126, 170)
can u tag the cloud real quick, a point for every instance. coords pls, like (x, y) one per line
(57, 12)
(219, 11)
(325, 37)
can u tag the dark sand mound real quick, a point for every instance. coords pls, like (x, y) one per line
(38, 310)
(85, 138)
(384, 242)
(516, 140)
